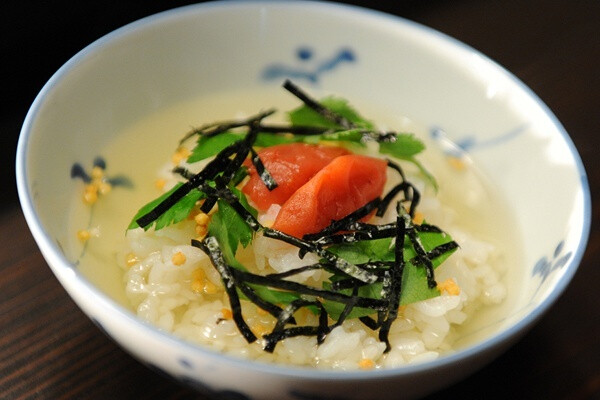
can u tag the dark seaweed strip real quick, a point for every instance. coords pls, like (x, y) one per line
(396, 277)
(347, 309)
(422, 254)
(369, 323)
(403, 186)
(276, 337)
(353, 237)
(279, 332)
(219, 163)
(334, 261)
(264, 175)
(387, 199)
(414, 201)
(300, 288)
(400, 171)
(374, 229)
(231, 170)
(287, 313)
(377, 267)
(342, 224)
(272, 309)
(427, 228)
(397, 167)
(294, 129)
(183, 172)
(211, 247)
(294, 271)
(316, 106)
(436, 252)
(226, 194)
(323, 329)
(208, 204)
(216, 128)
(382, 137)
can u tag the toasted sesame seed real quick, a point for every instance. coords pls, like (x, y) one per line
(366, 363)
(178, 258)
(202, 218)
(131, 259)
(419, 218)
(83, 235)
(160, 183)
(226, 313)
(449, 286)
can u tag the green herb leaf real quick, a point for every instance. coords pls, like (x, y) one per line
(175, 214)
(365, 251)
(351, 135)
(210, 146)
(404, 147)
(306, 116)
(272, 139)
(229, 228)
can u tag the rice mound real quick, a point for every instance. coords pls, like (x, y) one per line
(189, 301)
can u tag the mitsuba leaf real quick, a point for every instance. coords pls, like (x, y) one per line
(229, 228)
(365, 251)
(404, 147)
(208, 146)
(175, 214)
(306, 116)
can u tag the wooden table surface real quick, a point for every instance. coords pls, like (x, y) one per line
(50, 350)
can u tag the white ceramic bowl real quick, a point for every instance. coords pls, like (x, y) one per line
(210, 48)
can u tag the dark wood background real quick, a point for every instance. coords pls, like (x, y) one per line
(50, 350)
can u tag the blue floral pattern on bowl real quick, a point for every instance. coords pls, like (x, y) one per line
(307, 67)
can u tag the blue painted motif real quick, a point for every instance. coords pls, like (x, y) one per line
(458, 148)
(307, 67)
(185, 363)
(77, 171)
(544, 267)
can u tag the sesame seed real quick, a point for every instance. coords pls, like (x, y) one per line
(366, 363)
(178, 258)
(83, 235)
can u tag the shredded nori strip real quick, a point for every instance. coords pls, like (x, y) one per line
(315, 105)
(264, 175)
(366, 302)
(333, 261)
(414, 199)
(211, 247)
(295, 271)
(343, 223)
(216, 128)
(422, 255)
(393, 295)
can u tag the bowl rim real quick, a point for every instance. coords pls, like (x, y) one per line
(111, 307)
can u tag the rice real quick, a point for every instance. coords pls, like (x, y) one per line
(189, 301)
